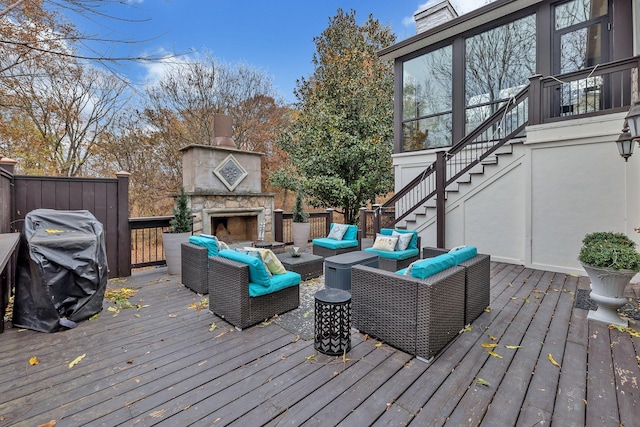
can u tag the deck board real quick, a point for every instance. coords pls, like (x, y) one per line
(164, 364)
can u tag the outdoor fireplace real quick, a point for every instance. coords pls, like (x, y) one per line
(224, 188)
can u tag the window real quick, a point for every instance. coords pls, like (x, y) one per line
(427, 100)
(581, 40)
(498, 65)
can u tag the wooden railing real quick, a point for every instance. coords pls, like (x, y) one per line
(320, 224)
(146, 240)
(603, 89)
(146, 234)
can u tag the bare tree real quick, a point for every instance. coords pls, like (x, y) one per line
(69, 106)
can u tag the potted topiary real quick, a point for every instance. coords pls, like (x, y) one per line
(610, 260)
(179, 231)
(300, 227)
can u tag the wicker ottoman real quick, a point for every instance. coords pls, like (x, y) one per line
(332, 321)
(306, 265)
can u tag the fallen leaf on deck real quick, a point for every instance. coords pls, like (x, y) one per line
(307, 314)
(494, 354)
(311, 357)
(480, 381)
(212, 327)
(48, 424)
(77, 360)
(511, 347)
(33, 360)
(487, 310)
(296, 339)
(489, 345)
(173, 315)
(378, 344)
(553, 361)
(467, 328)
(492, 338)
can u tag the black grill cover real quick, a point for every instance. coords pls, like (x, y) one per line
(61, 274)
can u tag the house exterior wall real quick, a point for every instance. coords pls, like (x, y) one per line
(536, 204)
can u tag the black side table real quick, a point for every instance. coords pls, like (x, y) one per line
(332, 321)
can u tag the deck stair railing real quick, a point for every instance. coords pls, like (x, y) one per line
(507, 122)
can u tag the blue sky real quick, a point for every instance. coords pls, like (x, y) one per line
(273, 36)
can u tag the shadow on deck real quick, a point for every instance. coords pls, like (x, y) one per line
(163, 363)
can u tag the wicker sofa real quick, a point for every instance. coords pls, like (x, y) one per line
(477, 282)
(326, 247)
(230, 285)
(418, 316)
(397, 259)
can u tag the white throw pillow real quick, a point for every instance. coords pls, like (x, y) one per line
(457, 248)
(385, 243)
(407, 272)
(403, 240)
(338, 231)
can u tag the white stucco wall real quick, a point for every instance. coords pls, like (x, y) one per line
(534, 207)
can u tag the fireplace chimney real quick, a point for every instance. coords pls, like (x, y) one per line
(223, 131)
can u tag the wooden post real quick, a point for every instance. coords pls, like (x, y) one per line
(123, 268)
(278, 226)
(329, 220)
(535, 99)
(441, 179)
(377, 212)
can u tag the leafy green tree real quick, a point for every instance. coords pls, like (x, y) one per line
(340, 143)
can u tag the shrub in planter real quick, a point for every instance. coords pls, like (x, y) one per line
(300, 228)
(181, 222)
(609, 250)
(179, 232)
(611, 261)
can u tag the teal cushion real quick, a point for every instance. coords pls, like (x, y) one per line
(397, 255)
(334, 244)
(464, 254)
(431, 266)
(278, 282)
(351, 234)
(413, 244)
(258, 273)
(211, 243)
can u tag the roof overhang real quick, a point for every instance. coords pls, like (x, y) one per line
(466, 22)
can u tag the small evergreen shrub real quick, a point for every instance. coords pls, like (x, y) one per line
(609, 250)
(181, 222)
(299, 214)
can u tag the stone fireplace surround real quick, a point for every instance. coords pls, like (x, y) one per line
(224, 186)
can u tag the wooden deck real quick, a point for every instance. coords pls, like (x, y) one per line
(161, 364)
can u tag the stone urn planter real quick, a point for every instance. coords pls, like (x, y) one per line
(611, 261)
(607, 291)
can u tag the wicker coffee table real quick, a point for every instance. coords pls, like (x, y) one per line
(306, 265)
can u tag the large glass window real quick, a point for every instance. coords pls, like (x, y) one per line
(426, 104)
(579, 34)
(580, 41)
(499, 63)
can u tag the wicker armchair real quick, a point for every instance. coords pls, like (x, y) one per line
(418, 316)
(477, 282)
(195, 267)
(229, 295)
